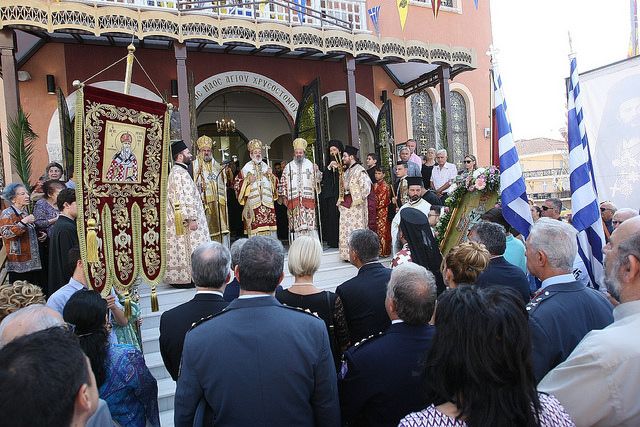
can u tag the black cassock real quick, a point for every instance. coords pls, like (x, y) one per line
(328, 209)
(63, 237)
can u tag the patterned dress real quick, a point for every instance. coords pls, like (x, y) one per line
(20, 242)
(259, 213)
(131, 392)
(298, 186)
(552, 414)
(357, 187)
(181, 188)
(383, 199)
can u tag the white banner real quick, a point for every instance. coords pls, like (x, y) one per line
(611, 105)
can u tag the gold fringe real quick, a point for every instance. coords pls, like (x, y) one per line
(127, 305)
(177, 214)
(92, 241)
(154, 299)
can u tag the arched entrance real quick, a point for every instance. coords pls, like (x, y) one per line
(338, 129)
(255, 116)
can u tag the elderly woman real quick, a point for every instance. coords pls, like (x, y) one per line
(53, 171)
(20, 237)
(464, 263)
(478, 371)
(18, 295)
(305, 255)
(46, 210)
(123, 379)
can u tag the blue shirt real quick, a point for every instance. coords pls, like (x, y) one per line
(563, 278)
(514, 253)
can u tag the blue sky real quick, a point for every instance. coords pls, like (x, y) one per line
(532, 40)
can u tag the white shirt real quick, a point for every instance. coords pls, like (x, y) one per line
(599, 382)
(254, 296)
(210, 292)
(440, 176)
(562, 278)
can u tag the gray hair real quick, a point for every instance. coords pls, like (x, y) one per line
(413, 290)
(626, 213)
(9, 192)
(557, 204)
(557, 240)
(404, 149)
(366, 244)
(493, 236)
(210, 265)
(442, 151)
(261, 264)
(236, 248)
(33, 318)
(305, 255)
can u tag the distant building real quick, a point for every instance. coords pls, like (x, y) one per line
(545, 165)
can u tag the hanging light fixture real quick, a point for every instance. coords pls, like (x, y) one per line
(225, 125)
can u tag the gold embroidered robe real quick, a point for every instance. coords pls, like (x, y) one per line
(357, 185)
(259, 213)
(181, 188)
(298, 185)
(212, 186)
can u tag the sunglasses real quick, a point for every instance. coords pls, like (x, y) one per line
(605, 209)
(468, 161)
(545, 208)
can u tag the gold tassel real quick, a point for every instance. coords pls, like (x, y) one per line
(177, 215)
(92, 241)
(127, 305)
(154, 299)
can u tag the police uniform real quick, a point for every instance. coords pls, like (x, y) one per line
(560, 315)
(382, 378)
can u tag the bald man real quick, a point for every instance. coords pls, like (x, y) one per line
(28, 320)
(622, 215)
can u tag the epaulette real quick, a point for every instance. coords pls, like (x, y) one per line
(209, 317)
(537, 300)
(367, 339)
(301, 310)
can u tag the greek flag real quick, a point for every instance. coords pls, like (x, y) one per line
(515, 206)
(374, 14)
(584, 197)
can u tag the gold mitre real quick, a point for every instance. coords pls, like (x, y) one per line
(204, 142)
(254, 144)
(299, 144)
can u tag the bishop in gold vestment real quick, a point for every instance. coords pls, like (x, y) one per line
(211, 180)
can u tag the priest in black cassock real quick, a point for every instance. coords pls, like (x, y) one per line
(63, 236)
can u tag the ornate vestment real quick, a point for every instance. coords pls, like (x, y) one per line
(182, 189)
(212, 186)
(298, 185)
(259, 214)
(123, 167)
(357, 187)
(383, 199)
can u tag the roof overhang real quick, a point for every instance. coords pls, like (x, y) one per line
(107, 24)
(412, 77)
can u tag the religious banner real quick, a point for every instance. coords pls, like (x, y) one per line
(403, 9)
(121, 158)
(473, 196)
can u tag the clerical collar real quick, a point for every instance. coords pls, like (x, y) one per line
(182, 165)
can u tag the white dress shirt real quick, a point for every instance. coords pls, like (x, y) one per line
(441, 175)
(599, 383)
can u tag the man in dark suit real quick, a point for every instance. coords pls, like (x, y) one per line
(232, 290)
(211, 269)
(259, 362)
(563, 310)
(63, 236)
(499, 272)
(382, 378)
(363, 296)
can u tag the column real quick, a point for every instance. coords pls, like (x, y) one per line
(444, 74)
(352, 108)
(183, 92)
(11, 97)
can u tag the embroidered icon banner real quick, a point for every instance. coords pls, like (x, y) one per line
(121, 153)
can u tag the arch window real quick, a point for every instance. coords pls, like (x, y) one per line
(459, 147)
(422, 121)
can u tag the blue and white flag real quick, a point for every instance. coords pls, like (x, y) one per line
(301, 9)
(515, 205)
(374, 14)
(584, 196)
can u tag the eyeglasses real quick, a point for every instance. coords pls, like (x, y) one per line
(605, 209)
(545, 208)
(614, 222)
(468, 161)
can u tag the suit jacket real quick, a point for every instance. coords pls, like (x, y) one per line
(559, 318)
(384, 378)
(175, 323)
(232, 290)
(500, 272)
(363, 300)
(275, 369)
(63, 237)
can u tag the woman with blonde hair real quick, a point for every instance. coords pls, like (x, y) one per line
(464, 263)
(18, 295)
(305, 255)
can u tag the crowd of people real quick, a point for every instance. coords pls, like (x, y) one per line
(497, 332)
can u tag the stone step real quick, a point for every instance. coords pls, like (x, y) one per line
(166, 418)
(156, 365)
(150, 342)
(166, 393)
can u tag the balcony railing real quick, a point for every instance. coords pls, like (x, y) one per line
(349, 15)
(545, 172)
(557, 195)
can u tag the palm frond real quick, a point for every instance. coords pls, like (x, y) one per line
(21, 137)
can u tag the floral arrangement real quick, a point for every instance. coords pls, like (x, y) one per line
(482, 180)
